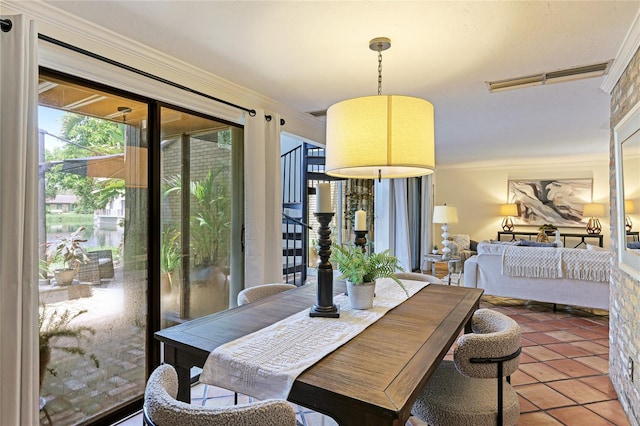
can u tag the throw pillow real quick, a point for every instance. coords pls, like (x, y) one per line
(529, 243)
(634, 245)
(506, 243)
(462, 241)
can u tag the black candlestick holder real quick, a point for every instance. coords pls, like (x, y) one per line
(361, 240)
(324, 306)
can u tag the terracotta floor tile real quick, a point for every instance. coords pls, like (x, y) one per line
(524, 328)
(578, 415)
(610, 410)
(526, 406)
(578, 391)
(590, 333)
(543, 396)
(525, 359)
(602, 383)
(572, 368)
(560, 324)
(539, 418)
(541, 353)
(539, 316)
(524, 341)
(521, 378)
(540, 326)
(540, 338)
(564, 336)
(591, 347)
(597, 363)
(542, 372)
(579, 322)
(568, 350)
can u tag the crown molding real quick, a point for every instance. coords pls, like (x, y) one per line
(625, 54)
(78, 32)
(581, 160)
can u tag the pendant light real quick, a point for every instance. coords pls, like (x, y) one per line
(383, 136)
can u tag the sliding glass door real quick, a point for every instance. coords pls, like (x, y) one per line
(199, 158)
(100, 219)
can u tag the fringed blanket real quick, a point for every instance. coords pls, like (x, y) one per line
(538, 262)
(588, 265)
(549, 262)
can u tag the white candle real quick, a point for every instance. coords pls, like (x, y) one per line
(323, 198)
(361, 221)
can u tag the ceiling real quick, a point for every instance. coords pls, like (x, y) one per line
(311, 54)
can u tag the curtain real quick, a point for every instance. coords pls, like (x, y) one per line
(403, 220)
(263, 200)
(18, 223)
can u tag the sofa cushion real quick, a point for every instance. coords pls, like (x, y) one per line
(634, 245)
(530, 243)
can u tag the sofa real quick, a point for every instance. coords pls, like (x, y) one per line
(569, 276)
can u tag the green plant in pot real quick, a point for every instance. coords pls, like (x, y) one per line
(55, 328)
(65, 256)
(361, 271)
(170, 256)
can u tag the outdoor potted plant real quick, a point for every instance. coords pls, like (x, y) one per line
(65, 256)
(53, 326)
(361, 270)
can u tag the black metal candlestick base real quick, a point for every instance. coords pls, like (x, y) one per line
(324, 306)
(361, 240)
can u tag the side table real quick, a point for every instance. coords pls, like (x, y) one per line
(437, 258)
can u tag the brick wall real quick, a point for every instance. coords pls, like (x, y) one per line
(624, 334)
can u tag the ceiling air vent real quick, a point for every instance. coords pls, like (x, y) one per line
(569, 74)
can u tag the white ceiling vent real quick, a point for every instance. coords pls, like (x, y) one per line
(569, 74)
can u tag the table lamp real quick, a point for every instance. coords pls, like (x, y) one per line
(445, 215)
(629, 208)
(508, 210)
(593, 211)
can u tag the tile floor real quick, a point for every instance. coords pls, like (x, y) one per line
(562, 379)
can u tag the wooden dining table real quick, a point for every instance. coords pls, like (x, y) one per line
(374, 379)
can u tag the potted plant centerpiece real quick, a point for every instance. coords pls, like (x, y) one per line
(361, 271)
(65, 256)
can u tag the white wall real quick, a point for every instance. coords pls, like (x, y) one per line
(477, 191)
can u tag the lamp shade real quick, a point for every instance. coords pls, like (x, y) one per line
(380, 136)
(508, 210)
(629, 208)
(593, 210)
(445, 214)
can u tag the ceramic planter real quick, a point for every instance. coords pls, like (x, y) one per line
(64, 276)
(361, 295)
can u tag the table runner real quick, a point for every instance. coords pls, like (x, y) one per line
(264, 364)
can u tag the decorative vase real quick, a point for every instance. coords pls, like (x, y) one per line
(542, 237)
(361, 295)
(64, 276)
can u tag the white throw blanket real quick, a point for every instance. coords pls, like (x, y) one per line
(549, 262)
(589, 265)
(265, 364)
(535, 262)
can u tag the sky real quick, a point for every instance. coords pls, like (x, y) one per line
(50, 119)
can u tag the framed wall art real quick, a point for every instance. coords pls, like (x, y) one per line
(556, 201)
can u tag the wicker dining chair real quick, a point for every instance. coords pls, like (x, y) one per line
(162, 409)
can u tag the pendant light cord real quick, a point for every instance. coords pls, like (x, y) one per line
(379, 68)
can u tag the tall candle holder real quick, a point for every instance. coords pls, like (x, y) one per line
(324, 306)
(361, 240)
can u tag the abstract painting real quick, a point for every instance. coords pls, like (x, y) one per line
(556, 201)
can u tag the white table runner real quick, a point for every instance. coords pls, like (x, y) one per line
(265, 364)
